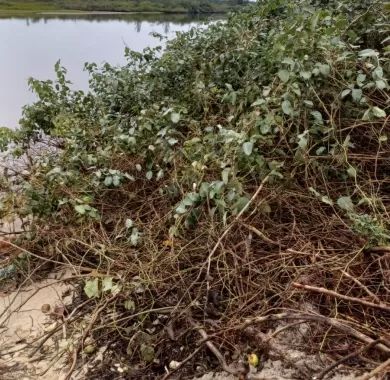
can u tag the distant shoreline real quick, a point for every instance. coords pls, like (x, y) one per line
(115, 7)
(7, 13)
(98, 13)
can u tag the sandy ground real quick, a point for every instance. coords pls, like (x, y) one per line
(22, 322)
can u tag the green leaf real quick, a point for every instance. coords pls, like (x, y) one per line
(190, 199)
(345, 203)
(91, 288)
(240, 204)
(318, 117)
(225, 175)
(302, 140)
(181, 209)
(108, 181)
(265, 128)
(367, 53)
(378, 112)
(288, 61)
(264, 208)
(107, 284)
(116, 289)
(308, 103)
(258, 102)
(89, 349)
(377, 74)
(352, 172)
(360, 79)
(129, 223)
(314, 191)
(314, 21)
(149, 175)
(147, 352)
(287, 108)
(284, 75)
(172, 141)
(325, 199)
(297, 91)
(247, 148)
(129, 305)
(175, 117)
(345, 93)
(357, 94)
(366, 115)
(116, 180)
(80, 209)
(325, 70)
(380, 84)
(305, 75)
(160, 174)
(134, 237)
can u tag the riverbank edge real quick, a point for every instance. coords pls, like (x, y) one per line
(96, 13)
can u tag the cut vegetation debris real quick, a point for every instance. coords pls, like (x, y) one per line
(235, 186)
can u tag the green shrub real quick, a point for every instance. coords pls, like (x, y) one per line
(289, 98)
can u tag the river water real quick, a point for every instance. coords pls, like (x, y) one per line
(30, 46)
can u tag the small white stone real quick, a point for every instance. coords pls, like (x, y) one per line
(174, 364)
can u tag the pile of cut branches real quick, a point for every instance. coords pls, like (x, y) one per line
(239, 179)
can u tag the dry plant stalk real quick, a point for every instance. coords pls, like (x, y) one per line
(332, 293)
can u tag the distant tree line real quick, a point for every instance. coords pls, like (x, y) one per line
(171, 6)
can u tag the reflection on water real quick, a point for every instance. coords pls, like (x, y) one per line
(138, 18)
(30, 46)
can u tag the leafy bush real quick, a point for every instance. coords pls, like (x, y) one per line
(288, 96)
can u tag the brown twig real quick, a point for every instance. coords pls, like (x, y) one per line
(186, 360)
(261, 235)
(238, 216)
(380, 305)
(368, 291)
(214, 349)
(85, 334)
(333, 322)
(380, 249)
(376, 371)
(331, 367)
(69, 320)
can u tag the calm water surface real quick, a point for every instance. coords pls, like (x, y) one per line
(29, 47)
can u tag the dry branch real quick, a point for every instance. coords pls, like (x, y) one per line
(214, 350)
(238, 216)
(334, 365)
(385, 366)
(368, 291)
(333, 322)
(332, 293)
(182, 363)
(85, 334)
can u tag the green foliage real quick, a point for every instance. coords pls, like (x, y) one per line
(141, 176)
(220, 109)
(95, 287)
